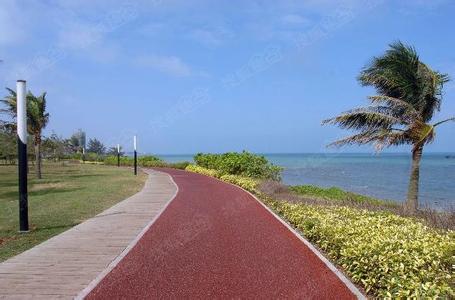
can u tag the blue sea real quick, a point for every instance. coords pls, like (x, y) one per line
(383, 176)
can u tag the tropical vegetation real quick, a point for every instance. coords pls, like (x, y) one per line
(390, 256)
(96, 146)
(203, 171)
(148, 161)
(37, 119)
(336, 194)
(243, 164)
(409, 95)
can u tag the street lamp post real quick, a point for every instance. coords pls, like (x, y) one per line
(22, 154)
(118, 155)
(135, 155)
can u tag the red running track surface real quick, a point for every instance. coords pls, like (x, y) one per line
(215, 240)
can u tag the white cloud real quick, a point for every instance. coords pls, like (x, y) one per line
(211, 37)
(295, 19)
(171, 65)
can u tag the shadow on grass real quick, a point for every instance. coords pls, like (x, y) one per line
(54, 227)
(53, 191)
(8, 183)
(85, 175)
(49, 191)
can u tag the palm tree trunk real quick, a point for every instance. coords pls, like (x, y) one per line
(412, 202)
(38, 156)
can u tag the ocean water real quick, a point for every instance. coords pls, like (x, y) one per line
(383, 176)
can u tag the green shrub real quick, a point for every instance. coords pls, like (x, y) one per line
(143, 161)
(93, 157)
(389, 255)
(244, 164)
(247, 183)
(334, 193)
(179, 165)
(148, 161)
(92, 162)
(203, 171)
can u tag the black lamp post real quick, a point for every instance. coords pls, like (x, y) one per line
(135, 155)
(22, 154)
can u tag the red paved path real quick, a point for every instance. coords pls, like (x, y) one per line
(215, 241)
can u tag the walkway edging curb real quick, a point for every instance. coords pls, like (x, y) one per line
(82, 294)
(328, 263)
(354, 290)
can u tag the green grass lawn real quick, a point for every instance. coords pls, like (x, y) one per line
(67, 195)
(337, 194)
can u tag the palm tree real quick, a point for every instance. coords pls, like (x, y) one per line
(410, 93)
(37, 119)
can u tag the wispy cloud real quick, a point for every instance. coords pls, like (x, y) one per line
(171, 65)
(295, 19)
(211, 37)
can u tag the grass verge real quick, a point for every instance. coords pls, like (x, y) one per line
(337, 194)
(67, 195)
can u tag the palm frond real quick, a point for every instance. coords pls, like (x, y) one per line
(380, 137)
(393, 103)
(443, 121)
(367, 118)
(399, 73)
(37, 117)
(394, 73)
(359, 139)
(390, 138)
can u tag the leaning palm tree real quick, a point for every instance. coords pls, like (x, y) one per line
(37, 119)
(409, 94)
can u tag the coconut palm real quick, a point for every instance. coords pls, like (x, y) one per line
(410, 93)
(37, 119)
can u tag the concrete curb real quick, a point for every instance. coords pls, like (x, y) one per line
(82, 294)
(329, 265)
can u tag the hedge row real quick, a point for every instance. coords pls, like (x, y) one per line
(388, 255)
(249, 184)
(243, 164)
(337, 194)
(145, 161)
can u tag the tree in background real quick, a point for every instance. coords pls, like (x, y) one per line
(8, 143)
(95, 146)
(54, 147)
(77, 141)
(409, 94)
(37, 119)
(113, 151)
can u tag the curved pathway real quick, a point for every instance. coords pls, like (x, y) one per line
(215, 240)
(62, 266)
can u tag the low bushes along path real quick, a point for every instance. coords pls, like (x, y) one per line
(214, 240)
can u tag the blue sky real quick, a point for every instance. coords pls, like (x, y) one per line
(213, 76)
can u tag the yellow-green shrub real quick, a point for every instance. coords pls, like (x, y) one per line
(202, 170)
(247, 183)
(389, 255)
